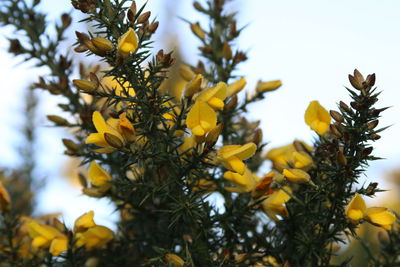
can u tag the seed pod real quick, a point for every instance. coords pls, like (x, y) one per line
(341, 158)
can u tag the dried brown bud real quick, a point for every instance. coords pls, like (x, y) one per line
(82, 37)
(257, 137)
(357, 81)
(355, 105)
(232, 103)
(206, 49)
(81, 49)
(15, 47)
(198, 6)
(153, 27)
(239, 57)
(370, 191)
(341, 158)
(336, 116)
(372, 124)
(344, 107)
(375, 136)
(133, 8)
(232, 28)
(144, 17)
(94, 79)
(335, 131)
(367, 151)
(227, 51)
(66, 20)
(370, 81)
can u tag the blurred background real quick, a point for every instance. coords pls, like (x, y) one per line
(311, 45)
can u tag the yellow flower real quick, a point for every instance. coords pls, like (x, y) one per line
(317, 118)
(84, 222)
(5, 199)
(244, 183)
(45, 236)
(128, 43)
(282, 157)
(126, 128)
(201, 118)
(99, 177)
(214, 96)
(204, 185)
(232, 156)
(193, 86)
(381, 217)
(356, 209)
(296, 175)
(120, 87)
(186, 73)
(104, 130)
(274, 204)
(95, 237)
(175, 260)
(302, 160)
(263, 87)
(236, 87)
(188, 143)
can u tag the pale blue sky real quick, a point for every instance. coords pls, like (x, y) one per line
(310, 45)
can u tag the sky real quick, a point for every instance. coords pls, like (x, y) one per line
(311, 45)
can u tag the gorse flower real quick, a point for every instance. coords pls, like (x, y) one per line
(174, 260)
(232, 156)
(214, 96)
(104, 130)
(263, 87)
(302, 160)
(296, 175)
(236, 87)
(84, 222)
(45, 236)
(244, 183)
(274, 204)
(95, 237)
(90, 235)
(128, 43)
(357, 210)
(201, 118)
(100, 180)
(111, 134)
(285, 156)
(5, 200)
(317, 118)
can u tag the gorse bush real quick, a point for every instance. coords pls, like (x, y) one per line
(160, 155)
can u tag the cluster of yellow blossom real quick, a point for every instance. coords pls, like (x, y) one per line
(357, 212)
(112, 134)
(55, 237)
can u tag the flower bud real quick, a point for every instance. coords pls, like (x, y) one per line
(59, 121)
(193, 86)
(198, 31)
(263, 87)
(113, 141)
(186, 73)
(102, 44)
(227, 51)
(236, 87)
(85, 86)
(175, 260)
